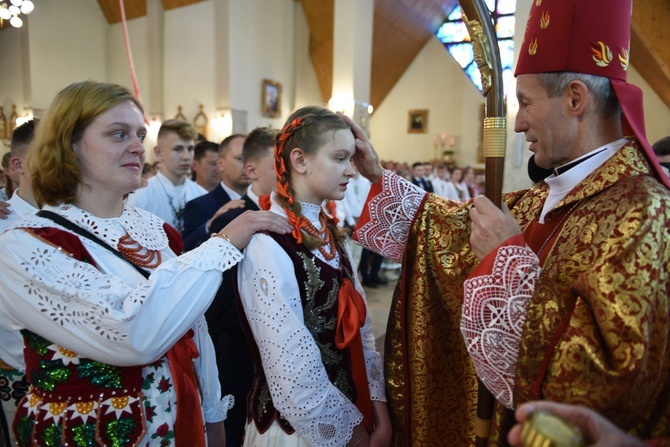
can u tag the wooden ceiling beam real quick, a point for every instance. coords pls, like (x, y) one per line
(649, 49)
(133, 9)
(173, 4)
(320, 15)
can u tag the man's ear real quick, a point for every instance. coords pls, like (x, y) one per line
(16, 164)
(297, 158)
(219, 164)
(157, 153)
(250, 171)
(578, 95)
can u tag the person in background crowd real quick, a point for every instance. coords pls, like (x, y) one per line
(457, 190)
(9, 178)
(111, 318)
(469, 181)
(205, 169)
(318, 379)
(147, 173)
(418, 177)
(428, 171)
(441, 180)
(168, 191)
(21, 204)
(662, 150)
(223, 318)
(227, 194)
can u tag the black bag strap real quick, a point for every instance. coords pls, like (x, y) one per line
(63, 222)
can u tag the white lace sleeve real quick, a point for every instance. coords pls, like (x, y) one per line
(291, 360)
(121, 318)
(391, 215)
(215, 407)
(494, 312)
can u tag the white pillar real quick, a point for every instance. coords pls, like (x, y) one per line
(352, 58)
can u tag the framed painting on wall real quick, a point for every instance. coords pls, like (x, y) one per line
(271, 105)
(418, 121)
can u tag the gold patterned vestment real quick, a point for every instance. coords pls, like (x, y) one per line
(597, 327)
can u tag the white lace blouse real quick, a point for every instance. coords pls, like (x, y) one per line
(112, 313)
(298, 382)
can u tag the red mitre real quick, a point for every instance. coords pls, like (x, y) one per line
(591, 37)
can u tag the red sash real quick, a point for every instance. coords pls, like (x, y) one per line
(189, 426)
(351, 313)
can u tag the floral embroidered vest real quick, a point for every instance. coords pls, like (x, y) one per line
(73, 400)
(319, 296)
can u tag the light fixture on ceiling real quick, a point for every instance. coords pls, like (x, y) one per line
(11, 10)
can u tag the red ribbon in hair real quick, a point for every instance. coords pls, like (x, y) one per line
(283, 188)
(351, 313)
(189, 426)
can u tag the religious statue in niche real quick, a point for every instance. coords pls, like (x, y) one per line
(180, 115)
(12, 121)
(201, 123)
(3, 124)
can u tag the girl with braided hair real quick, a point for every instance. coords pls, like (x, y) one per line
(318, 379)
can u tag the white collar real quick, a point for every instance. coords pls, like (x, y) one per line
(167, 183)
(143, 227)
(309, 210)
(561, 185)
(234, 195)
(253, 196)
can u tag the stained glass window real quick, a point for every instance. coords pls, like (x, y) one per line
(454, 35)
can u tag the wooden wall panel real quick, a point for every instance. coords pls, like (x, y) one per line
(172, 4)
(649, 48)
(401, 29)
(133, 9)
(320, 15)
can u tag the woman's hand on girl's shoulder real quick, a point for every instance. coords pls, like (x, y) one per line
(243, 227)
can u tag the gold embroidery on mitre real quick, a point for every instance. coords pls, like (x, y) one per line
(602, 55)
(538, 2)
(532, 47)
(623, 58)
(544, 20)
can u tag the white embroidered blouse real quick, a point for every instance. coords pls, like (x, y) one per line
(112, 313)
(298, 382)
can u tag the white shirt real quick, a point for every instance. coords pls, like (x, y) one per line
(166, 200)
(253, 196)
(354, 198)
(112, 313)
(19, 209)
(234, 195)
(441, 188)
(298, 382)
